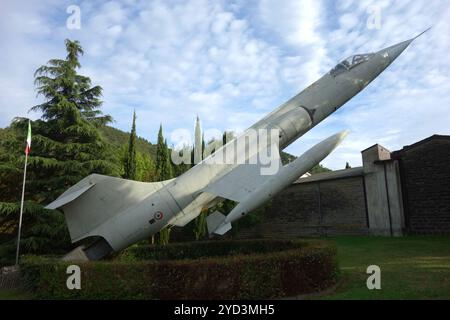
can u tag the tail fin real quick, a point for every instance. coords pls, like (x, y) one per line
(97, 198)
(216, 225)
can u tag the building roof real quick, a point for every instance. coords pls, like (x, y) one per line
(331, 175)
(375, 145)
(415, 145)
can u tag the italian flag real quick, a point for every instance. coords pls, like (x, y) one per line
(28, 147)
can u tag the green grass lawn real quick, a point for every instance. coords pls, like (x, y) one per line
(411, 267)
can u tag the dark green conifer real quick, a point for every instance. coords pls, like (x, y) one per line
(66, 147)
(130, 158)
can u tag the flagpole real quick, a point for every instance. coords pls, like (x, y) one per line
(21, 208)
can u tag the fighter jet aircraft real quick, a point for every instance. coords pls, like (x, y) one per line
(117, 213)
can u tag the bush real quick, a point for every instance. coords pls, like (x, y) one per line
(207, 270)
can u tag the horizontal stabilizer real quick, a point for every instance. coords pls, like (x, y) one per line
(68, 197)
(223, 229)
(214, 220)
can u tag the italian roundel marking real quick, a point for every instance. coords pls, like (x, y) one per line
(158, 215)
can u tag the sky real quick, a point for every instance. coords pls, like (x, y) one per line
(232, 62)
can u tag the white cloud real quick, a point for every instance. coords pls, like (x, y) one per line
(231, 63)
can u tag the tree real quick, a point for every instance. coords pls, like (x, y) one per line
(319, 169)
(347, 166)
(130, 158)
(66, 147)
(163, 164)
(145, 168)
(69, 96)
(200, 228)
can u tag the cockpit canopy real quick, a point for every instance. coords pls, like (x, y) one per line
(349, 63)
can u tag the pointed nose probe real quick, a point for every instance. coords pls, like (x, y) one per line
(394, 51)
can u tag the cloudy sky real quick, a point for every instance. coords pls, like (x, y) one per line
(231, 62)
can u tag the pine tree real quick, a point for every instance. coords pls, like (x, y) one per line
(130, 159)
(66, 147)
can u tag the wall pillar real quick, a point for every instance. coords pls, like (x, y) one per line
(384, 199)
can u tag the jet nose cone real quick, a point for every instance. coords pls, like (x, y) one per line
(394, 51)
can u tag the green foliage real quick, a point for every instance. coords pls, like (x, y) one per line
(117, 138)
(239, 270)
(130, 158)
(200, 228)
(43, 231)
(163, 163)
(319, 169)
(163, 236)
(66, 144)
(66, 147)
(286, 157)
(207, 249)
(145, 168)
(69, 96)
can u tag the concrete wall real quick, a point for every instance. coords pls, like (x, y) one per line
(384, 201)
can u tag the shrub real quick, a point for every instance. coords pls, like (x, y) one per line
(207, 270)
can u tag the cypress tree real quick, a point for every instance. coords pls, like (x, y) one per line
(168, 163)
(163, 164)
(130, 158)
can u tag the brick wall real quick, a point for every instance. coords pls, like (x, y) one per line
(316, 208)
(425, 175)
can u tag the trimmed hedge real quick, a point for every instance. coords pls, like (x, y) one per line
(255, 269)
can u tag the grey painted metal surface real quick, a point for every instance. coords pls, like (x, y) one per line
(122, 212)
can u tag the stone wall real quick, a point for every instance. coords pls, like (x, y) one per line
(425, 176)
(315, 208)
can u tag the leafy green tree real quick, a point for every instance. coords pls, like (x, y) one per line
(66, 147)
(130, 159)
